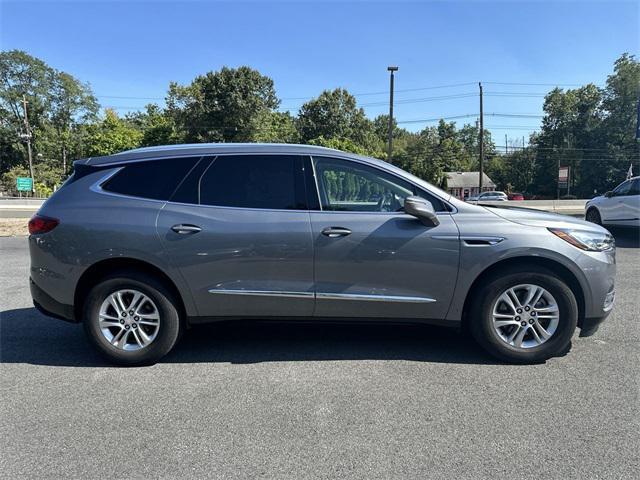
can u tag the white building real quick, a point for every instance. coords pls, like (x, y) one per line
(465, 184)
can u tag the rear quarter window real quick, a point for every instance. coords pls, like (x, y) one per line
(154, 179)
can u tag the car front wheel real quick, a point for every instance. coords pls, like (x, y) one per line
(593, 216)
(524, 316)
(131, 319)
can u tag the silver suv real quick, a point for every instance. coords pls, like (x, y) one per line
(141, 245)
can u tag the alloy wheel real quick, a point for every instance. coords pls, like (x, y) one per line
(129, 320)
(525, 316)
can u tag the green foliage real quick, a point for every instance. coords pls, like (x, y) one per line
(436, 150)
(591, 130)
(111, 135)
(222, 106)
(58, 106)
(158, 127)
(334, 114)
(274, 127)
(346, 145)
(8, 179)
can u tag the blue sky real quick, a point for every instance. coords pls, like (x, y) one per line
(134, 49)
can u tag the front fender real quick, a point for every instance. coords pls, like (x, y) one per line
(519, 242)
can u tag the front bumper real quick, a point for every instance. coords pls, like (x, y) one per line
(589, 326)
(48, 306)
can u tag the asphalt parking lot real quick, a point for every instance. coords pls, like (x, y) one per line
(252, 400)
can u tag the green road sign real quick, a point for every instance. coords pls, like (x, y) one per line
(24, 184)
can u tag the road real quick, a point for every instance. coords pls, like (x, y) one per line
(255, 400)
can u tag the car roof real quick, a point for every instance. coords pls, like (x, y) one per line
(165, 151)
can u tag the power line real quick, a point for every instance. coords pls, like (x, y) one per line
(385, 92)
(543, 84)
(361, 94)
(436, 119)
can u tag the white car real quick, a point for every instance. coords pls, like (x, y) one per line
(618, 207)
(488, 197)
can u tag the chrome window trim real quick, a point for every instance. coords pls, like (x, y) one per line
(97, 187)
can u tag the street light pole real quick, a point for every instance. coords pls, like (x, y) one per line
(390, 133)
(481, 140)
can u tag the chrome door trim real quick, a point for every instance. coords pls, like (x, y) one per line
(373, 298)
(324, 295)
(263, 293)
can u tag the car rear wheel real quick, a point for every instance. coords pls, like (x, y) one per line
(593, 216)
(524, 316)
(131, 318)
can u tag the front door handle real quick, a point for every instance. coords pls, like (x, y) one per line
(184, 229)
(333, 232)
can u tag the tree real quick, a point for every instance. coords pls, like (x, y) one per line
(222, 106)
(58, 104)
(72, 103)
(443, 148)
(620, 102)
(111, 135)
(275, 127)
(156, 125)
(344, 144)
(334, 114)
(24, 75)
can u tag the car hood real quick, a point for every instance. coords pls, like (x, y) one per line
(537, 218)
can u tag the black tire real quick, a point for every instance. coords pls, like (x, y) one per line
(593, 216)
(168, 331)
(481, 319)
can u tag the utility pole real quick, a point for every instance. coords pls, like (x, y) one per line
(506, 148)
(558, 189)
(390, 147)
(481, 142)
(27, 137)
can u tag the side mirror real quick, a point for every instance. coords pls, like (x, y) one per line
(422, 210)
(608, 194)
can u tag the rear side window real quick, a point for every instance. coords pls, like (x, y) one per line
(254, 181)
(155, 179)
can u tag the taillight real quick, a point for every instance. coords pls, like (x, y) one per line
(42, 224)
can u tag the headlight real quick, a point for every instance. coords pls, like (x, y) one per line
(589, 241)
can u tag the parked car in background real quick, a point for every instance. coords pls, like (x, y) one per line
(141, 245)
(492, 196)
(621, 206)
(515, 196)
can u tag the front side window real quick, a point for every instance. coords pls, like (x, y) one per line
(154, 179)
(622, 189)
(635, 187)
(253, 181)
(350, 186)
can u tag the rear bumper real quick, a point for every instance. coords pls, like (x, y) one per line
(50, 307)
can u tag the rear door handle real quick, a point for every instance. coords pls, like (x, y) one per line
(333, 232)
(184, 229)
